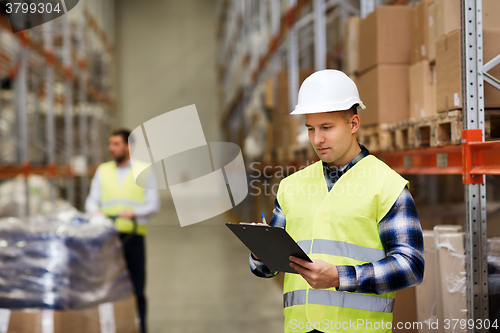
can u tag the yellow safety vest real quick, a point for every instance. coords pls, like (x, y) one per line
(117, 198)
(339, 226)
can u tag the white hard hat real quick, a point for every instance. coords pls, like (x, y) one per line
(325, 91)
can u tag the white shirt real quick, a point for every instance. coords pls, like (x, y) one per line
(142, 212)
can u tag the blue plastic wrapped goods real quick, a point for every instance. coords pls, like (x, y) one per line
(64, 261)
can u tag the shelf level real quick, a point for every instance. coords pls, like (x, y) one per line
(472, 159)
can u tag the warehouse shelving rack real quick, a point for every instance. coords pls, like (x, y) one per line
(473, 159)
(70, 86)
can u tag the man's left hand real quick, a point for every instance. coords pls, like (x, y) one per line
(127, 215)
(319, 274)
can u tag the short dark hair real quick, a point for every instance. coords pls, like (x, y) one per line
(350, 112)
(124, 133)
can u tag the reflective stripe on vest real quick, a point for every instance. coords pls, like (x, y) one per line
(342, 249)
(339, 298)
(126, 202)
(117, 197)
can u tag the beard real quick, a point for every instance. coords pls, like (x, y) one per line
(120, 159)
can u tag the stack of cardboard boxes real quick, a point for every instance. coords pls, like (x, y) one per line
(383, 59)
(407, 60)
(422, 85)
(445, 14)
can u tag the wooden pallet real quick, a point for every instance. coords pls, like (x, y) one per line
(380, 137)
(437, 131)
(448, 129)
(404, 134)
(441, 130)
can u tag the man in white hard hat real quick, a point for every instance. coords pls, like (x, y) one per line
(352, 214)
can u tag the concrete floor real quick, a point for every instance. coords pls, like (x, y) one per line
(199, 280)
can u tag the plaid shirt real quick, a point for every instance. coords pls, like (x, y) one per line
(400, 234)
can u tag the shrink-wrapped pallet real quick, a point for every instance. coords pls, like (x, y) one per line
(452, 267)
(428, 293)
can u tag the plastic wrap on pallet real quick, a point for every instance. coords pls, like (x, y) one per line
(428, 293)
(63, 261)
(494, 279)
(453, 281)
(13, 197)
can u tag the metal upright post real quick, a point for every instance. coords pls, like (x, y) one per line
(22, 112)
(254, 34)
(293, 60)
(49, 104)
(94, 137)
(82, 101)
(263, 23)
(475, 194)
(319, 35)
(68, 107)
(275, 57)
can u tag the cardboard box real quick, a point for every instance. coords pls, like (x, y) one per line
(269, 95)
(448, 70)
(452, 268)
(385, 93)
(384, 37)
(428, 293)
(120, 315)
(431, 31)
(491, 14)
(351, 45)
(422, 90)
(491, 48)
(419, 31)
(448, 16)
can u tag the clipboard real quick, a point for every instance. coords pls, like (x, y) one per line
(272, 245)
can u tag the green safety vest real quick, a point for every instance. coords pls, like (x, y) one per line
(340, 227)
(117, 198)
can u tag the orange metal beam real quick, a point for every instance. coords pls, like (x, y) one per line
(484, 157)
(472, 159)
(439, 160)
(51, 171)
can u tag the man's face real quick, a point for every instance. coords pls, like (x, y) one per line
(118, 148)
(330, 135)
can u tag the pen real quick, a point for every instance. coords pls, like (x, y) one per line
(263, 218)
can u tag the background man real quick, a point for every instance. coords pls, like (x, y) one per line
(113, 192)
